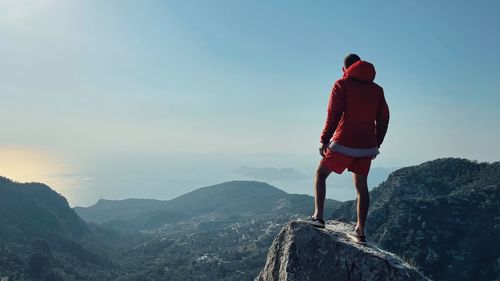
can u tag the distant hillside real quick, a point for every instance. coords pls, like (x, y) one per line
(35, 210)
(218, 232)
(442, 214)
(105, 210)
(229, 199)
(42, 238)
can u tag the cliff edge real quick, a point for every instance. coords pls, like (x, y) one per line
(303, 252)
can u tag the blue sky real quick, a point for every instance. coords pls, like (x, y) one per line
(100, 97)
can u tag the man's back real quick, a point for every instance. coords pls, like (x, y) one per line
(358, 112)
(357, 121)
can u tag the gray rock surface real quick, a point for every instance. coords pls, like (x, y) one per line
(303, 252)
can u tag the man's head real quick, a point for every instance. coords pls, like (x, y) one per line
(349, 60)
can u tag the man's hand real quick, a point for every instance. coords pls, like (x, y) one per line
(322, 149)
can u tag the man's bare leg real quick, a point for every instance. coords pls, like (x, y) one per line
(363, 202)
(320, 191)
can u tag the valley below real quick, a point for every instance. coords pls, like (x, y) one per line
(435, 215)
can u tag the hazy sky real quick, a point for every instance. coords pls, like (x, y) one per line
(121, 99)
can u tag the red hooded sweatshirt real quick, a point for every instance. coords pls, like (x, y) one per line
(358, 114)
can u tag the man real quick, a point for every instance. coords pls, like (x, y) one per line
(355, 128)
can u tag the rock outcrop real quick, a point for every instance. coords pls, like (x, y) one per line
(303, 252)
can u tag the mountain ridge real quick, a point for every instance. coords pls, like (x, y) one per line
(438, 213)
(441, 215)
(40, 235)
(241, 198)
(28, 200)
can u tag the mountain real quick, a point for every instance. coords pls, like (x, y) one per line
(34, 210)
(105, 210)
(242, 198)
(303, 252)
(218, 232)
(42, 238)
(442, 214)
(221, 232)
(237, 199)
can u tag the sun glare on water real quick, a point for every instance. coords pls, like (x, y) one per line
(30, 165)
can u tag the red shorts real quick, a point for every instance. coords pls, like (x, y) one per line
(337, 162)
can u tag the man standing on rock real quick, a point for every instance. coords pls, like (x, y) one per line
(355, 128)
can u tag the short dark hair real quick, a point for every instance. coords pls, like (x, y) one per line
(350, 59)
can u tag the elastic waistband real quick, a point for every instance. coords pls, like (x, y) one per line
(353, 152)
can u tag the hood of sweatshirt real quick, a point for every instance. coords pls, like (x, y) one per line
(361, 70)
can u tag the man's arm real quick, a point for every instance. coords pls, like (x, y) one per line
(336, 106)
(382, 120)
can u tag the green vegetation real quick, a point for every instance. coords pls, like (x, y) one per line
(42, 238)
(221, 232)
(444, 215)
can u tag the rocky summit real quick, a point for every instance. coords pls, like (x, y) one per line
(303, 252)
